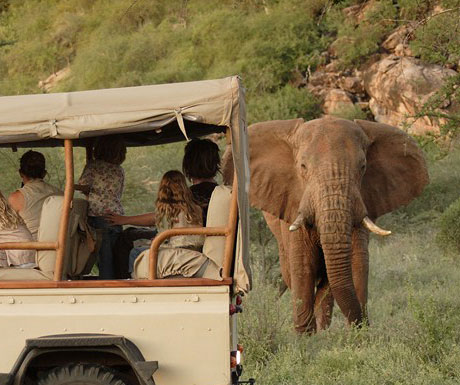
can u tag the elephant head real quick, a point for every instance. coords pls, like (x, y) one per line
(327, 176)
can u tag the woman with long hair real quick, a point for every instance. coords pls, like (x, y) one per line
(13, 229)
(174, 207)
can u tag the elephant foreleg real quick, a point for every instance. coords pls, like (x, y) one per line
(302, 277)
(274, 224)
(324, 303)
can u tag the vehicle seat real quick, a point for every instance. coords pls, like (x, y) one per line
(190, 263)
(48, 232)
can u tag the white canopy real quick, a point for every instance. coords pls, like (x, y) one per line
(146, 115)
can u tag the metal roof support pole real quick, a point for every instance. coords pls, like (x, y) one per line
(64, 223)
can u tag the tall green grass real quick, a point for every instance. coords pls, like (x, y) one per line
(414, 308)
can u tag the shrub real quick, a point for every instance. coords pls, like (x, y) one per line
(356, 42)
(350, 112)
(448, 237)
(435, 42)
(286, 103)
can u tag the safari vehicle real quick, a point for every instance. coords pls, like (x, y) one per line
(59, 329)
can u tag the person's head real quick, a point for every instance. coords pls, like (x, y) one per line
(173, 197)
(111, 149)
(9, 219)
(32, 165)
(201, 159)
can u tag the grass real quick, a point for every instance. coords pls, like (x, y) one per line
(414, 310)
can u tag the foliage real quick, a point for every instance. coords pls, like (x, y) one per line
(110, 44)
(356, 41)
(350, 112)
(286, 103)
(449, 228)
(416, 9)
(437, 40)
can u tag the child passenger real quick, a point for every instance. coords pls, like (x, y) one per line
(174, 207)
(13, 229)
(103, 181)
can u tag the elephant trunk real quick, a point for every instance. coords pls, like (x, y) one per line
(336, 242)
(335, 218)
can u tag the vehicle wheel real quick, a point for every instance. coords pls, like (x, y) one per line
(81, 374)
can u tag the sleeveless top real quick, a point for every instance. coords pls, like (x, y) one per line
(194, 242)
(35, 192)
(16, 257)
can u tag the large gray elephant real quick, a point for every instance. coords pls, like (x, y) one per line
(321, 185)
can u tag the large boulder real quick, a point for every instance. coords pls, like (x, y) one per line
(336, 100)
(399, 86)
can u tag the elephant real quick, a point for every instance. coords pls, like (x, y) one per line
(321, 185)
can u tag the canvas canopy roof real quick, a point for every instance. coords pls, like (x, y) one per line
(146, 115)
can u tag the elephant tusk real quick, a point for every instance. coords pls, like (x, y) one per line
(297, 223)
(371, 226)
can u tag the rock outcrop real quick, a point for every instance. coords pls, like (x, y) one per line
(399, 86)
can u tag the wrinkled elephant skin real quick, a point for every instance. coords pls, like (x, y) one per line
(331, 173)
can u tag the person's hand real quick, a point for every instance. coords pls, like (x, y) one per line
(115, 219)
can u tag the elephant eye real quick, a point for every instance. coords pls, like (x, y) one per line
(363, 168)
(303, 166)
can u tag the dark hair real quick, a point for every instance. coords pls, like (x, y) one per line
(33, 165)
(201, 159)
(111, 149)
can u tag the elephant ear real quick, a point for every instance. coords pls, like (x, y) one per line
(396, 170)
(275, 185)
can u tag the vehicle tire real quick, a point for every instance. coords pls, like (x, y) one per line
(81, 374)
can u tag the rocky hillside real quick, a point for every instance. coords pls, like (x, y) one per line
(395, 61)
(392, 85)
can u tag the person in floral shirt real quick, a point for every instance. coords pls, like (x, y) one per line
(103, 181)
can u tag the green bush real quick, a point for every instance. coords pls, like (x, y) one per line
(356, 42)
(350, 112)
(286, 103)
(416, 9)
(448, 237)
(435, 42)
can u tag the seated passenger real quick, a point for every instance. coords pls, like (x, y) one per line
(102, 180)
(13, 229)
(28, 200)
(200, 164)
(175, 207)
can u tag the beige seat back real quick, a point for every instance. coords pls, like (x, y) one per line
(81, 240)
(218, 214)
(48, 232)
(77, 256)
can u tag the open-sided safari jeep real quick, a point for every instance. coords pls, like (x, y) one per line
(59, 329)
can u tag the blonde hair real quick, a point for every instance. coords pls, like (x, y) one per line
(173, 197)
(9, 219)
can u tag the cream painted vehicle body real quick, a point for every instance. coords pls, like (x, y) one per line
(60, 329)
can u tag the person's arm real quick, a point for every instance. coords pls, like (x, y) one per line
(147, 219)
(16, 201)
(86, 179)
